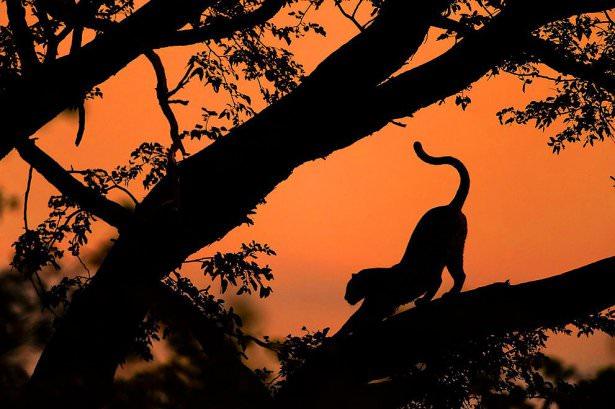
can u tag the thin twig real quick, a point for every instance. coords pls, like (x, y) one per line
(183, 81)
(26, 197)
(349, 16)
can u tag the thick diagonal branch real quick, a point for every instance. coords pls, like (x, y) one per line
(544, 51)
(390, 347)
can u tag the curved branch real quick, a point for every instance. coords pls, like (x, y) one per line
(162, 94)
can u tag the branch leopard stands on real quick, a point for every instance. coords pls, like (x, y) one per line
(437, 242)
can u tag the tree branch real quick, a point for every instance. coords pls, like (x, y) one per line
(35, 100)
(31, 102)
(568, 65)
(223, 27)
(506, 36)
(350, 16)
(162, 93)
(23, 37)
(389, 347)
(48, 31)
(109, 211)
(545, 52)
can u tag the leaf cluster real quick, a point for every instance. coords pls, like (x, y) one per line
(507, 368)
(294, 350)
(42, 247)
(240, 269)
(148, 161)
(582, 110)
(38, 248)
(229, 66)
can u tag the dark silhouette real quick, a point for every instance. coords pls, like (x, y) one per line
(437, 242)
(48, 66)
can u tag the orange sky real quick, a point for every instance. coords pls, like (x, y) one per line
(531, 214)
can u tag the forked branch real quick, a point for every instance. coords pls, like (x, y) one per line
(162, 93)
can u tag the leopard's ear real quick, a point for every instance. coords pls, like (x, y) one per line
(355, 274)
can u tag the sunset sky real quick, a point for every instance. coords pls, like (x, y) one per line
(531, 214)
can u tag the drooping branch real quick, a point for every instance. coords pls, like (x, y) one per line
(109, 211)
(389, 347)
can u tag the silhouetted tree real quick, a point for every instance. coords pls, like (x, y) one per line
(198, 199)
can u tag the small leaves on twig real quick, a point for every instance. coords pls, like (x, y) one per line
(240, 269)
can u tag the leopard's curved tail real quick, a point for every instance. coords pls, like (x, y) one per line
(464, 184)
